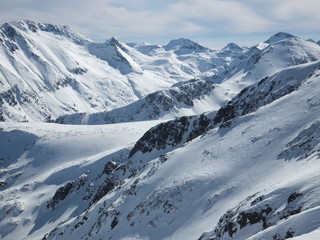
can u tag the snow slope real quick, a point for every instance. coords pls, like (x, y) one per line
(47, 71)
(38, 159)
(251, 172)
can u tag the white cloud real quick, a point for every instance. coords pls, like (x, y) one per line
(224, 16)
(142, 20)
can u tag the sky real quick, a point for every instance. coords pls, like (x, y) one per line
(213, 23)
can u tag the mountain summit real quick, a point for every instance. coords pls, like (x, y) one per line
(279, 37)
(183, 46)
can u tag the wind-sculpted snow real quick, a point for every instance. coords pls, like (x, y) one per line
(45, 168)
(170, 103)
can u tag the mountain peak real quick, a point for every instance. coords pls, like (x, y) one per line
(113, 41)
(279, 37)
(232, 46)
(183, 45)
(28, 25)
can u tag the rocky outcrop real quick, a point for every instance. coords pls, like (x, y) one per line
(174, 133)
(65, 190)
(262, 212)
(306, 144)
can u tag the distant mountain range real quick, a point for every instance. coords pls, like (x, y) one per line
(48, 71)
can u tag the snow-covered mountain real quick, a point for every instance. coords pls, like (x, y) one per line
(230, 174)
(49, 70)
(46, 71)
(205, 144)
(245, 67)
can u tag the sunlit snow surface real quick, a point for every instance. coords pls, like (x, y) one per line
(252, 174)
(38, 158)
(180, 195)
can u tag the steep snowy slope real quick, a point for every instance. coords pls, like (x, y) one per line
(222, 175)
(46, 71)
(37, 159)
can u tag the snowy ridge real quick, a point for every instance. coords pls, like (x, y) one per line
(246, 68)
(279, 37)
(44, 74)
(115, 54)
(189, 98)
(266, 59)
(184, 46)
(177, 132)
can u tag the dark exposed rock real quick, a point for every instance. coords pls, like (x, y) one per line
(1, 114)
(32, 26)
(171, 134)
(225, 113)
(60, 195)
(109, 167)
(2, 184)
(115, 222)
(248, 218)
(305, 144)
(153, 106)
(289, 234)
(79, 71)
(176, 132)
(9, 97)
(293, 197)
(103, 190)
(261, 212)
(65, 190)
(9, 31)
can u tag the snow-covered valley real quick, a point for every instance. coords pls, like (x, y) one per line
(164, 142)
